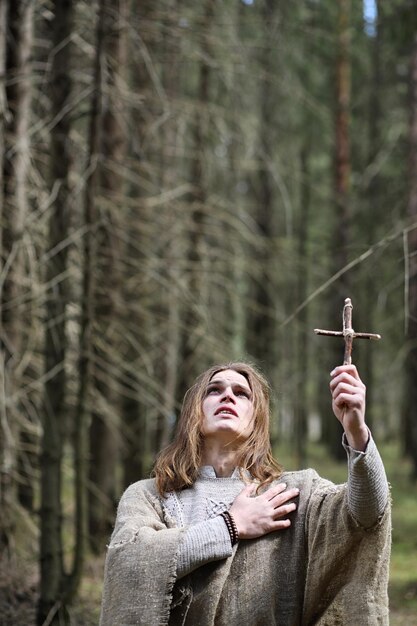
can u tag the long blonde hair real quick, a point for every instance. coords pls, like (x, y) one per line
(177, 466)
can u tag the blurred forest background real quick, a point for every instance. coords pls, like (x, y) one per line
(184, 183)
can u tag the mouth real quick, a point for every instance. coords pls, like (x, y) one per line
(226, 410)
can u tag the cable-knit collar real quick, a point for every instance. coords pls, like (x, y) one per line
(208, 471)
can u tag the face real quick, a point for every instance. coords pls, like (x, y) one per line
(228, 407)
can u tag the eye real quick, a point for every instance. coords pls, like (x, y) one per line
(242, 392)
(211, 390)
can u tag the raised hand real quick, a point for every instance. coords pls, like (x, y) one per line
(348, 402)
(256, 516)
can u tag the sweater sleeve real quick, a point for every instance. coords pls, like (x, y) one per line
(201, 543)
(140, 569)
(368, 490)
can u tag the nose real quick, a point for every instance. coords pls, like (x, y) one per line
(228, 395)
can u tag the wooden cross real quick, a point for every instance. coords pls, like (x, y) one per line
(347, 333)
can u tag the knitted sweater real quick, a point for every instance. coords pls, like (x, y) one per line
(198, 509)
(325, 569)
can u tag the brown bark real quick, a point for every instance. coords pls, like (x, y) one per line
(262, 332)
(6, 442)
(341, 237)
(3, 107)
(410, 399)
(301, 412)
(139, 339)
(235, 312)
(86, 366)
(373, 199)
(54, 414)
(103, 442)
(342, 160)
(342, 141)
(193, 358)
(170, 222)
(18, 21)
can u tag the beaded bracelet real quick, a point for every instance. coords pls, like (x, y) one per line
(231, 526)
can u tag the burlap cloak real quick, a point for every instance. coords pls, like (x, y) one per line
(324, 570)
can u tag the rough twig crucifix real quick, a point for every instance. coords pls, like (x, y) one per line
(347, 333)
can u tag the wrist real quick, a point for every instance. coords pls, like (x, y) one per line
(358, 439)
(231, 526)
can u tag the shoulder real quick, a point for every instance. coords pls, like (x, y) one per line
(303, 474)
(300, 477)
(139, 507)
(141, 491)
(145, 486)
(309, 481)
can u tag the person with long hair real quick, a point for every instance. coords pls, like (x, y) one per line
(221, 535)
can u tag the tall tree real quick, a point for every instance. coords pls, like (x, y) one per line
(3, 101)
(103, 440)
(56, 342)
(6, 443)
(342, 222)
(262, 325)
(373, 199)
(138, 340)
(170, 220)
(300, 400)
(410, 396)
(87, 364)
(16, 113)
(231, 98)
(193, 355)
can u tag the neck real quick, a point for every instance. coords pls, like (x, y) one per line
(222, 458)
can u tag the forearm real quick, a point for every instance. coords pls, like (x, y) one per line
(368, 489)
(202, 543)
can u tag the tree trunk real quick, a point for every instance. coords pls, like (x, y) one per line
(103, 442)
(18, 17)
(88, 305)
(332, 429)
(138, 341)
(236, 249)
(301, 412)
(171, 221)
(6, 439)
(410, 395)
(194, 357)
(373, 200)
(3, 107)
(262, 330)
(54, 414)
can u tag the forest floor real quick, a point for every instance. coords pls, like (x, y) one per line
(19, 581)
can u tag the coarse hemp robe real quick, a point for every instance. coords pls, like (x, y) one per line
(325, 569)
